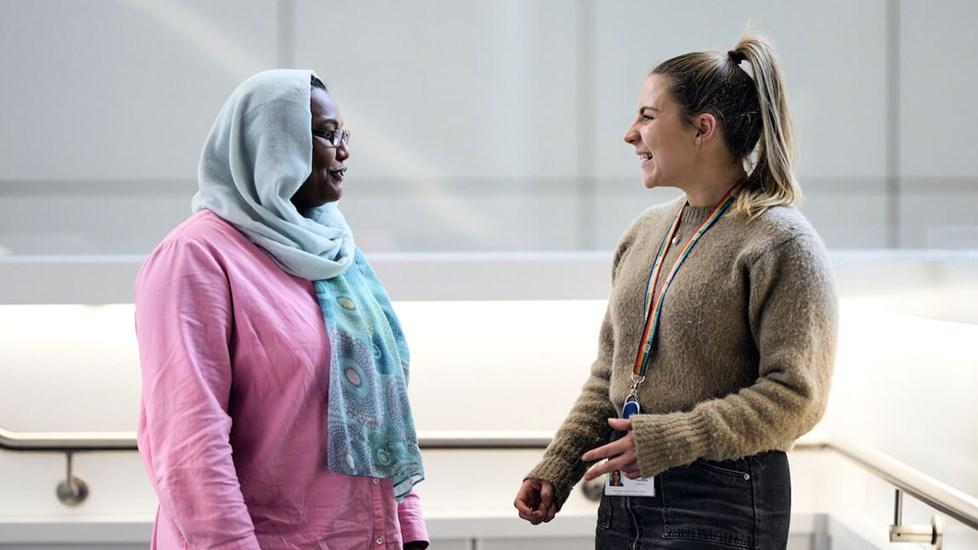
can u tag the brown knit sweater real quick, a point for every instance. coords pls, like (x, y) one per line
(744, 353)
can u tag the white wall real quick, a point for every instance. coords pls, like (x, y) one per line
(476, 126)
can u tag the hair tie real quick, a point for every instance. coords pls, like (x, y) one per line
(736, 56)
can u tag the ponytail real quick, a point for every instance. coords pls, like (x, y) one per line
(772, 181)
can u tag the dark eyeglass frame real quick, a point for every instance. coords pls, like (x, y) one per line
(335, 138)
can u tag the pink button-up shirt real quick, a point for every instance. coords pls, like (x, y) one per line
(232, 428)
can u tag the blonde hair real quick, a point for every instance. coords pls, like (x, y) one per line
(753, 113)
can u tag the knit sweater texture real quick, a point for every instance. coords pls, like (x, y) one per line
(744, 352)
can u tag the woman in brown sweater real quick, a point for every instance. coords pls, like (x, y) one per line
(717, 347)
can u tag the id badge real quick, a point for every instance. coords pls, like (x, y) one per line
(616, 483)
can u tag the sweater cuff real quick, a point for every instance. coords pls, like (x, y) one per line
(560, 474)
(664, 441)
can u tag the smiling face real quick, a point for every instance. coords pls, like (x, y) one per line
(664, 141)
(325, 182)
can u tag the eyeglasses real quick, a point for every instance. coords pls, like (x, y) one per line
(334, 137)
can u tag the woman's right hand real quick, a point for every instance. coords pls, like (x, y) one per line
(535, 501)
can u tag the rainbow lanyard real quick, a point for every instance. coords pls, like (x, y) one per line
(652, 314)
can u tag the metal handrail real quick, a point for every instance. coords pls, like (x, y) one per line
(126, 441)
(939, 496)
(67, 442)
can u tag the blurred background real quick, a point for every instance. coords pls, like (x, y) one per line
(477, 126)
(488, 181)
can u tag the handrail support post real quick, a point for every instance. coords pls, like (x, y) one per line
(73, 490)
(932, 534)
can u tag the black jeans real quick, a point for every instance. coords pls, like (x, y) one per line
(707, 505)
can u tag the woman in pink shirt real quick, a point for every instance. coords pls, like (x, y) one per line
(274, 404)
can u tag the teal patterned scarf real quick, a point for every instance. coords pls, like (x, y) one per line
(371, 431)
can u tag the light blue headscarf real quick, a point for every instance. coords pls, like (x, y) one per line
(258, 154)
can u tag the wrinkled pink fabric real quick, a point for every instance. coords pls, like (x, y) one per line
(232, 428)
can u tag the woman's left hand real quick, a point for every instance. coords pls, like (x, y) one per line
(626, 460)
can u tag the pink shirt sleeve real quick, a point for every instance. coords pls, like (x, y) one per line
(411, 518)
(183, 324)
